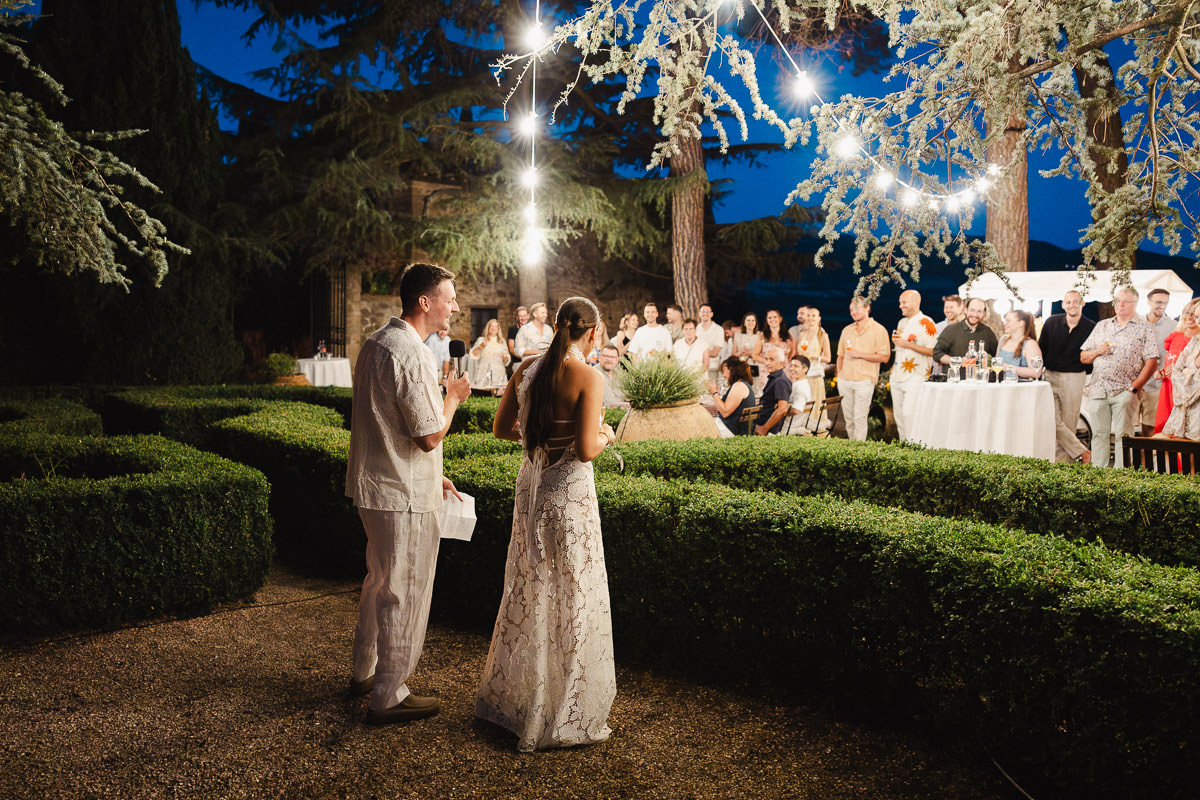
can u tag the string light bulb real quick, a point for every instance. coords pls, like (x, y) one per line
(847, 147)
(531, 213)
(884, 180)
(529, 178)
(909, 198)
(535, 37)
(528, 125)
(803, 86)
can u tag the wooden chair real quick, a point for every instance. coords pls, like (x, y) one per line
(833, 412)
(1171, 456)
(747, 418)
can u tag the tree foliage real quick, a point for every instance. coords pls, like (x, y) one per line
(67, 194)
(959, 67)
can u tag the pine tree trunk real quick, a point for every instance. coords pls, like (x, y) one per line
(1008, 203)
(687, 229)
(1106, 137)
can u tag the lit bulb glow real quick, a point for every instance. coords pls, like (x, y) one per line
(804, 87)
(909, 198)
(952, 203)
(993, 169)
(847, 147)
(529, 178)
(531, 213)
(967, 196)
(535, 37)
(884, 180)
(528, 125)
(982, 185)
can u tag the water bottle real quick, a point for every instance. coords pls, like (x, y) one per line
(982, 366)
(969, 361)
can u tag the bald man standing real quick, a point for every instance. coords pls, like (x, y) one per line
(914, 338)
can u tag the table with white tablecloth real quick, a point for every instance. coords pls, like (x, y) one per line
(1012, 418)
(326, 371)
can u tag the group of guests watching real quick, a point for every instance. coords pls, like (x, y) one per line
(1144, 371)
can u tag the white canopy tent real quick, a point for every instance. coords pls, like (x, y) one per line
(1038, 290)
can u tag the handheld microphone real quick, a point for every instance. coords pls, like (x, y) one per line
(458, 349)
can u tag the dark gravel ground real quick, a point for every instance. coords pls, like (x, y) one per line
(250, 703)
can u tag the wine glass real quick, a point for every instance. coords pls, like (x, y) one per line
(997, 368)
(1036, 363)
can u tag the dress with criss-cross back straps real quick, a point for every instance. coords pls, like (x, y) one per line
(549, 676)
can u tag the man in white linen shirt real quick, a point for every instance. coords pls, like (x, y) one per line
(913, 340)
(1123, 352)
(713, 336)
(394, 475)
(651, 337)
(1143, 412)
(535, 336)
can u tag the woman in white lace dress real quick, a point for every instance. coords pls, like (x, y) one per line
(549, 676)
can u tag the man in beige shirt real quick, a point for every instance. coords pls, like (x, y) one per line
(394, 475)
(862, 347)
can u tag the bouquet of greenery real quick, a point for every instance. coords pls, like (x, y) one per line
(657, 380)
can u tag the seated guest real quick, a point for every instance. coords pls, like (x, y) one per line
(613, 397)
(689, 350)
(1184, 422)
(798, 422)
(737, 397)
(776, 395)
(1019, 344)
(1189, 327)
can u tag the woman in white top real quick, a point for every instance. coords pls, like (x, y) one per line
(748, 339)
(625, 332)
(491, 355)
(690, 350)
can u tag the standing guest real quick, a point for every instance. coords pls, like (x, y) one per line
(593, 357)
(438, 343)
(738, 397)
(774, 335)
(954, 338)
(776, 397)
(394, 476)
(1146, 409)
(1019, 344)
(549, 675)
(746, 341)
(814, 345)
(674, 324)
(709, 332)
(650, 338)
(1189, 328)
(863, 346)
(952, 310)
(797, 330)
(914, 339)
(730, 329)
(609, 357)
(491, 353)
(535, 335)
(522, 318)
(625, 331)
(689, 350)
(1123, 352)
(1184, 420)
(1061, 340)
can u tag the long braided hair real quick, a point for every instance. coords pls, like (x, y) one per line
(575, 316)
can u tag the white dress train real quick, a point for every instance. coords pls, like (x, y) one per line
(549, 676)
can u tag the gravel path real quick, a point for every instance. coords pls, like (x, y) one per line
(251, 703)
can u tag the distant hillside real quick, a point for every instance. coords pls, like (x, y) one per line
(830, 288)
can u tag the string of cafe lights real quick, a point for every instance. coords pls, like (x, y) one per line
(849, 146)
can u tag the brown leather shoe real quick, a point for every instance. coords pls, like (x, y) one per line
(410, 708)
(359, 688)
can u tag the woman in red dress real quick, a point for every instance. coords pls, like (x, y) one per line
(1189, 326)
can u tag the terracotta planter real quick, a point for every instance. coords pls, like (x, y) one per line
(292, 380)
(685, 419)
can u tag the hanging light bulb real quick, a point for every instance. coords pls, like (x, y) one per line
(982, 185)
(531, 247)
(528, 125)
(535, 37)
(847, 147)
(803, 86)
(531, 213)
(967, 196)
(529, 178)
(910, 197)
(952, 203)
(884, 180)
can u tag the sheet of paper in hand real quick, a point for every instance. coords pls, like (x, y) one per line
(457, 517)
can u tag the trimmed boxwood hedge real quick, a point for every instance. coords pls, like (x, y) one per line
(1064, 657)
(52, 415)
(1156, 516)
(101, 531)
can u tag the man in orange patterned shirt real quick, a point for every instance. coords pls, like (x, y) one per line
(914, 338)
